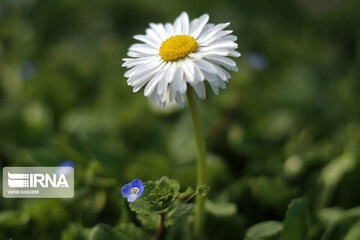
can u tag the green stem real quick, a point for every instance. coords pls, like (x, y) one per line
(201, 162)
(181, 204)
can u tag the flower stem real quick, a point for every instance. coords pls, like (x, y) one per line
(160, 227)
(181, 204)
(201, 162)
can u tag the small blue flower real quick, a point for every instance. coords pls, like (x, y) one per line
(66, 164)
(64, 167)
(257, 61)
(132, 190)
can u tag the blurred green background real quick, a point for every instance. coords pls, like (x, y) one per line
(287, 126)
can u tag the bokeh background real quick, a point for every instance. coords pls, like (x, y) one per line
(287, 126)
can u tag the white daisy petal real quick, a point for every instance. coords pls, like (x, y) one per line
(153, 35)
(200, 24)
(147, 40)
(224, 61)
(169, 28)
(171, 72)
(211, 32)
(215, 87)
(188, 69)
(219, 35)
(200, 89)
(152, 84)
(222, 44)
(131, 62)
(160, 31)
(138, 54)
(143, 48)
(233, 53)
(199, 76)
(179, 83)
(177, 25)
(172, 57)
(184, 19)
(179, 99)
(205, 66)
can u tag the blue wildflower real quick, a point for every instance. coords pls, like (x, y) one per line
(66, 164)
(257, 61)
(132, 190)
(65, 167)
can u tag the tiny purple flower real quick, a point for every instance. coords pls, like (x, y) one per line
(132, 190)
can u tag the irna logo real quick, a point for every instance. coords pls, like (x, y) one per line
(38, 182)
(16, 180)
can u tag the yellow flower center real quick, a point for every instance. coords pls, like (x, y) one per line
(134, 190)
(177, 47)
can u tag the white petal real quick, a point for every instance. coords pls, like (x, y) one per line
(205, 66)
(184, 19)
(179, 99)
(169, 28)
(131, 62)
(210, 77)
(164, 92)
(137, 54)
(172, 92)
(211, 32)
(171, 72)
(177, 26)
(188, 68)
(154, 98)
(200, 89)
(219, 51)
(179, 84)
(234, 53)
(214, 86)
(222, 84)
(147, 40)
(222, 44)
(199, 76)
(222, 35)
(162, 86)
(199, 27)
(138, 69)
(222, 73)
(152, 84)
(145, 67)
(132, 197)
(160, 31)
(224, 61)
(193, 26)
(231, 38)
(150, 33)
(143, 48)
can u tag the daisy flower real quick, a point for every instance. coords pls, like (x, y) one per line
(173, 57)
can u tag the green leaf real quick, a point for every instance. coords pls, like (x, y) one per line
(297, 221)
(354, 232)
(130, 232)
(10, 218)
(178, 214)
(75, 232)
(220, 209)
(264, 230)
(157, 197)
(149, 221)
(103, 231)
(141, 206)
